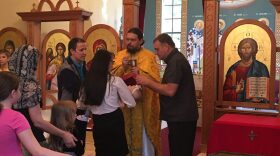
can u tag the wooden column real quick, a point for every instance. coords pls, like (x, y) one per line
(76, 28)
(130, 16)
(34, 39)
(276, 4)
(34, 33)
(209, 67)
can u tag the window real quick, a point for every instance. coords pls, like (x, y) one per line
(171, 20)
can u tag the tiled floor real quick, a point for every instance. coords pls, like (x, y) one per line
(89, 151)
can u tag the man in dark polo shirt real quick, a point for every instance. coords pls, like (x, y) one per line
(177, 96)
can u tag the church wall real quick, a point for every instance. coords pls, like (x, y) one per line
(150, 24)
(104, 12)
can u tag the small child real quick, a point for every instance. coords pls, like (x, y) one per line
(63, 116)
(14, 126)
(4, 58)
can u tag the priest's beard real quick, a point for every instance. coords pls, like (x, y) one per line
(132, 50)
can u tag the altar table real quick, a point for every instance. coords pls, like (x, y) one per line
(245, 134)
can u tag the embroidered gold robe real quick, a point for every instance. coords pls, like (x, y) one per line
(146, 111)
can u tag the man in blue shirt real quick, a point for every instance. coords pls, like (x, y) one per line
(70, 77)
(72, 71)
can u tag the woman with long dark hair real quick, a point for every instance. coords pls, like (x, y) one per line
(104, 94)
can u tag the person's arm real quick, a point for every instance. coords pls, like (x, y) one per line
(124, 93)
(38, 121)
(168, 89)
(28, 140)
(148, 67)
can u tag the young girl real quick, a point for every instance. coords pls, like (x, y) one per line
(63, 117)
(14, 127)
(4, 58)
(102, 93)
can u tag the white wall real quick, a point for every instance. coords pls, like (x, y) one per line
(104, 12)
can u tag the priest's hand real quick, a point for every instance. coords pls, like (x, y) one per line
(135, 70)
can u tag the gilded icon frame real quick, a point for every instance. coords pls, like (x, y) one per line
(228, 55)
(50, 41)
(12, 34)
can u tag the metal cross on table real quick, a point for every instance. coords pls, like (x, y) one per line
(252, 135)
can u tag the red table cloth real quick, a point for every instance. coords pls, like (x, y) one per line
(245, 134)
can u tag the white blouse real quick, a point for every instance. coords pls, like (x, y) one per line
(113, 99)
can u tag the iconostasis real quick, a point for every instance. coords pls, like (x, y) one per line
(55, 51)
(54, 45)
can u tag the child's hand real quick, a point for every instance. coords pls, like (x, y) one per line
(135, 91)
(131, 88)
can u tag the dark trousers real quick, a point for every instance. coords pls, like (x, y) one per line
(109, 134)
(81, 126)
(181, 138)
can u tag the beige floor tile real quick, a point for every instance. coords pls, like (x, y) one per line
(89, 150)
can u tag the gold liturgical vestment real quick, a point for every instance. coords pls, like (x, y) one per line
(146, 111)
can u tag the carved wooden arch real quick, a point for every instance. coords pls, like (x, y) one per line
(271, 69)
(54, 8)
(40, 6)
(49, 94)
(70, 4)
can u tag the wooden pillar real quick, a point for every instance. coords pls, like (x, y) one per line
(210, 62)
(34, 39)
(130, 16)
(276, 4)
(76, 28)
(34, 33)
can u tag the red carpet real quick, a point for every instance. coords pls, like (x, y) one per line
(165, 146)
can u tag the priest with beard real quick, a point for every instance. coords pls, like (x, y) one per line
(141, 122)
